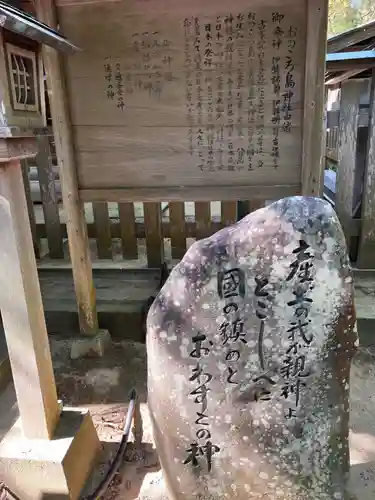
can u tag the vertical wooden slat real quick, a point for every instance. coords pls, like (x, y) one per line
(73, 206)
(30, 208)
(312, 141)
(49, 197)
(254, 205)
(347, 152)
(202, 219)
(22, 313)
(242, 209)
(228, 212)
(366, 251)
(128, 231)
(154, 234)
(177, 229)
(102, 229)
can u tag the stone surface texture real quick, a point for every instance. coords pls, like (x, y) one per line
(249, 345)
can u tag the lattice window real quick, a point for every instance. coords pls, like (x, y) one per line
(23, 77)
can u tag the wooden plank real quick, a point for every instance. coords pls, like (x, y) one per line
(190, 228)
(49, 198)
(154, 234)
(209, 193)
(366, 250)
(30, 208)
(203, 220)
(127, 230)
(228, 213)
(343, 76)
(22, 312)
(144, 137)
(77, 231)
(312, 141)
(103, 230)
(177, 229)
(347, 151)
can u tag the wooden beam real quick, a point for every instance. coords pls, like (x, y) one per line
(343, 76)
(77, 231)
(347, 151)
(190, 228)
(197, 193)
(313, 143)
(348, 65)
(22, 312)
(352, 37)
(366, 250)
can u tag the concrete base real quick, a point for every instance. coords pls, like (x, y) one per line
(55, 470)
(91, 347)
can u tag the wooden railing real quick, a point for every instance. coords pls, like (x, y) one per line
(122, 232)
(146, 233)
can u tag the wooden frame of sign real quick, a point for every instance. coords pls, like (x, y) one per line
(196, 100)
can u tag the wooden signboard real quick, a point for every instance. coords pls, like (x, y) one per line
(196, 100)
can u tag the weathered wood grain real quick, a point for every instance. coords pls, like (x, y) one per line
(366, 251)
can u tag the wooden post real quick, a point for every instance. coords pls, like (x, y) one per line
(366, 251)
(312, 141)
(347, 152)
(76, 223)
(38, 456)
(22, 309)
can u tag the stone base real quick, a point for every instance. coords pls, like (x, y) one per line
(91, 347)
(55, 470)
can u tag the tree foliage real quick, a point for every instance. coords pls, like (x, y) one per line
(367, 11)
(346, 14)
(342, 16)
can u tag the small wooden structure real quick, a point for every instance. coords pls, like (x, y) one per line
(350, 80)
(38, 455)
(174, 102)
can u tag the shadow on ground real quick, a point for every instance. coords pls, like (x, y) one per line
(103, 386)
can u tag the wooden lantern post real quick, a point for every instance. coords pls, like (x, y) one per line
(37, 457)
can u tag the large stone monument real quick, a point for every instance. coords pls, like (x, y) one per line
(249, 346)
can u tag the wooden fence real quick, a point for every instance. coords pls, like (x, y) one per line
(142, 232)
(350, 151)
(149, 233)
